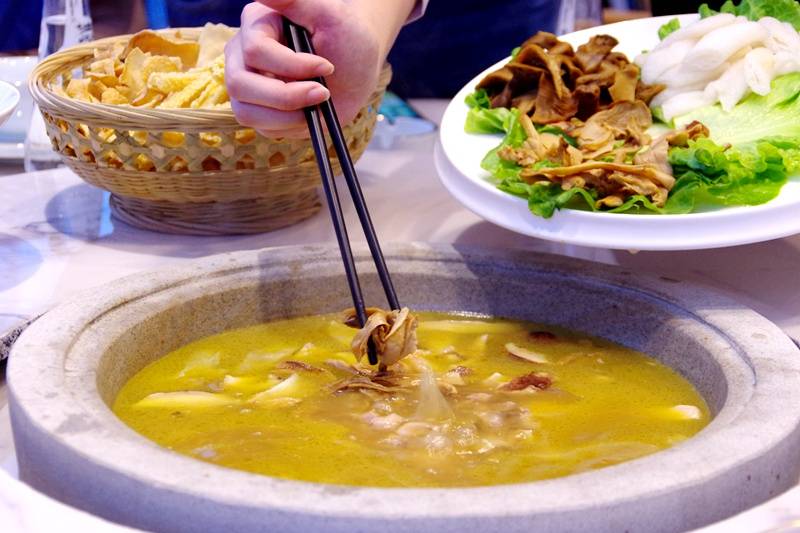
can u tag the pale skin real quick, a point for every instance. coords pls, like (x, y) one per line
(265, 78)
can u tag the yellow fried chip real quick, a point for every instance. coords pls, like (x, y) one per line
(218, 96)
(133, 73)
(139, 66)
(103, 70)
(173, 139)
(113, 96)
(210, 139)
(149, 99)
(208, 91)
(150, 41)
(244, 136)
(211, 41)
(142, 162)
(106, 134)
(139, 136)
(102, 67)
(170, 82)
(96, 88)
(184, 97)
(78, 88)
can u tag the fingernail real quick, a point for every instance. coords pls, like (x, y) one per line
(318, 94)
(324, 69)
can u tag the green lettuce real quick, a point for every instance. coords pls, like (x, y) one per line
(710, 174)
(752, 151)
(709, 171)
(671, 26)
(755, 117)
(785, 10)
(544, 198)
(480, 117)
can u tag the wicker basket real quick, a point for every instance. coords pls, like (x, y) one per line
(189, 171)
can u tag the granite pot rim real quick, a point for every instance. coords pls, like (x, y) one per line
(718, 449)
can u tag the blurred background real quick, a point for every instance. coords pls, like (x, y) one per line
(432, 58)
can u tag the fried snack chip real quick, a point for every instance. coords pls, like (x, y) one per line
(154, 70)
(79, 89)
(158, 44)
(112, 96)
(104, 70)
(138, 68)
(132, 72)
(212, 41)
(170, 82)
(184, 97)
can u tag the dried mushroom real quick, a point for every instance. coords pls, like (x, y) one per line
(550, 82)
(394, 334)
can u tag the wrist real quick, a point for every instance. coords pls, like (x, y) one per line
(385, 18)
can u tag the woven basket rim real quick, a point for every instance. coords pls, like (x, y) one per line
(120, 115)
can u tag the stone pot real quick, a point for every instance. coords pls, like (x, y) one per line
(67, 367)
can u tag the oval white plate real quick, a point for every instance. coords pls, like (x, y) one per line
(459, 155)
(9, 98)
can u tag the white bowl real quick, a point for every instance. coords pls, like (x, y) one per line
(9, 98)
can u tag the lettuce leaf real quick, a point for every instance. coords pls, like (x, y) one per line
(710, 174)
(755, 117)
(753, 150)
(669, 27)
(480, 117)
(785, 10)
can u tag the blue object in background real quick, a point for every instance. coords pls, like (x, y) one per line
(156, 14)
(187, 13)
(435, 56)
(19, 24)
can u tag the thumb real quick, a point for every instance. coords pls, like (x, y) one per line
(307, 13)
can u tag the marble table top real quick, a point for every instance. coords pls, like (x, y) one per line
(57, 238)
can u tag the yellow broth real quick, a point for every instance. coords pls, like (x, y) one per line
(229, 400)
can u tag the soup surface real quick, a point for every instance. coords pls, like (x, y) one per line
(287, 399)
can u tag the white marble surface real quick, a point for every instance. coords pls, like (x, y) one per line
(57, 238)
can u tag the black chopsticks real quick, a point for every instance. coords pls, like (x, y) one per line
(297, 38)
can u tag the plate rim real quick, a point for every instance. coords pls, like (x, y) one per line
(455, 180)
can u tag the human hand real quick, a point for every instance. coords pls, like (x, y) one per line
(262, 74)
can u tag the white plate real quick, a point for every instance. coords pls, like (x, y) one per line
(15, 70)
(9, 98)
(459, 155)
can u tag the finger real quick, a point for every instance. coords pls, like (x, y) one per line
(268, 55)
(265, 119)
(260, 36)
(294, 133)
(249, 87)
(307, 13)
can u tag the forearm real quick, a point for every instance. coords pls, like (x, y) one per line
(386, 17)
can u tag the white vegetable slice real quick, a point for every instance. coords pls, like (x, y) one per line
(698, 29)
(658, 61)
(759, 69)
(786, 62)
(666, 94)
(285, 388)
(172, 400)
(718, 46)
(686, 79)
(682, 412)
(203, 363)
(782, 35)
(528, 355)
(730, 88)
(685, 102)
(432, 404)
